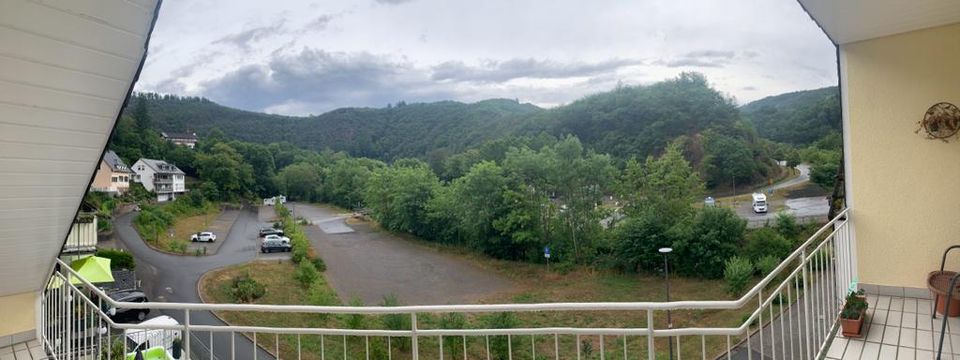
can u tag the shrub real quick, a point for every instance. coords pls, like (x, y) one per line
(298, 254)
(766, 242)
(319, 264)
(178, 246)
(355, 321)
(245, 289)
(713, 239)
(766, 265)
(453, 343)
(787, 226)
(639, 238)
(396, 321)
(119, 259)
(320, 295)
(306, 274)
(737, 272)
(498, 344)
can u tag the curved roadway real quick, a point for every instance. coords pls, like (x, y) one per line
(172, 278)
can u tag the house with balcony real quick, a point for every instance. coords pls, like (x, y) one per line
(183, 139)
(113, 176)
(67, 68)
(160, 177)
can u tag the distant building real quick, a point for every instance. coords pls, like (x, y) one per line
(113, 176)
(160, 177)
(186, 139)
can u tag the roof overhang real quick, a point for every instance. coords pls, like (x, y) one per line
(847, 21)
(66, 70)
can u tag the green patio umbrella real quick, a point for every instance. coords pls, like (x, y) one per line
(94, 269)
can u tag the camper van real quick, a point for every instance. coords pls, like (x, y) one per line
(759, 203)
(271, 201)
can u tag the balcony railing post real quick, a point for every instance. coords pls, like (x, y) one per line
(806, 300)
(651, 352)
(414, 346)
(186, 330)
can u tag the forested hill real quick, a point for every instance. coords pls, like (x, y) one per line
(403, 130)
(798, 118)
(626, 122)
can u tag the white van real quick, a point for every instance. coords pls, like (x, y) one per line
(147, 338)
(759, 203)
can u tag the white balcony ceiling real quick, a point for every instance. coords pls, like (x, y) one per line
(66, 67)
(847, 21)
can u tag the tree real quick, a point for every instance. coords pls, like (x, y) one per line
(639, 238)
(727, 160)
(299, 181)
(141, 115)
(668, 185)
(714, 237)
(226, 169)
(397, 196)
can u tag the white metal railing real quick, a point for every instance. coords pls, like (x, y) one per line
(790, 314)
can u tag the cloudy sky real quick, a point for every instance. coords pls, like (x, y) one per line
(308, 57)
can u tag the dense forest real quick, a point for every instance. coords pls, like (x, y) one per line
(798, 118)
(626, 122)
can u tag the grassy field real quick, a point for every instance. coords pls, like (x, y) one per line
(536, 285)
(182, 228)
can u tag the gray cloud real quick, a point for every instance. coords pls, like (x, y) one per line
(702, 58)
(246, 38)
(500, 71)
(392, 2)
(314, 81)
(320, 23)
(324, 81)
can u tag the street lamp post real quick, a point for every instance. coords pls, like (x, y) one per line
(666, 273)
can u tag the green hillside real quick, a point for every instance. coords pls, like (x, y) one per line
(798, 118)
(626, 122)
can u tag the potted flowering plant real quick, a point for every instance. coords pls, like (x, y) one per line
(851, 317)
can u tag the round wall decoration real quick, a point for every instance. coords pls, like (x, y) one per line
(941, 121)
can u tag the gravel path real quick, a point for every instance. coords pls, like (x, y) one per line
(370, 264)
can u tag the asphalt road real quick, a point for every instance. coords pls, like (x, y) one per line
(171, 278)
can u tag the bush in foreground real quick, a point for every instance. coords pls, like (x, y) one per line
(245, 289)
(737, 272)
(307, 274)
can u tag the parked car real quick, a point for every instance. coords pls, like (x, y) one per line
(264, 231)
(274, 245)
(274, 237)
(205, 236)
(122, 314)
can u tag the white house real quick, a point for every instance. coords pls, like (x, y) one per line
(160, 177)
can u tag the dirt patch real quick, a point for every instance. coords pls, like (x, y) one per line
(806, 190)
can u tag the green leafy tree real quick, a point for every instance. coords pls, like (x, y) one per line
(766, 241)
(714, 236)
(299, 181)
(224, 167)
(397, 196)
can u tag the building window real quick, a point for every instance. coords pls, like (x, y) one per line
(113, 179)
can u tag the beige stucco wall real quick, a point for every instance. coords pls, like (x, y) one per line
(904, 189)
(18, 313)
(102, 178)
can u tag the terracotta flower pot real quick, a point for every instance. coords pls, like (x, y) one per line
(852, 327)
(942, 308)
(938, 282)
